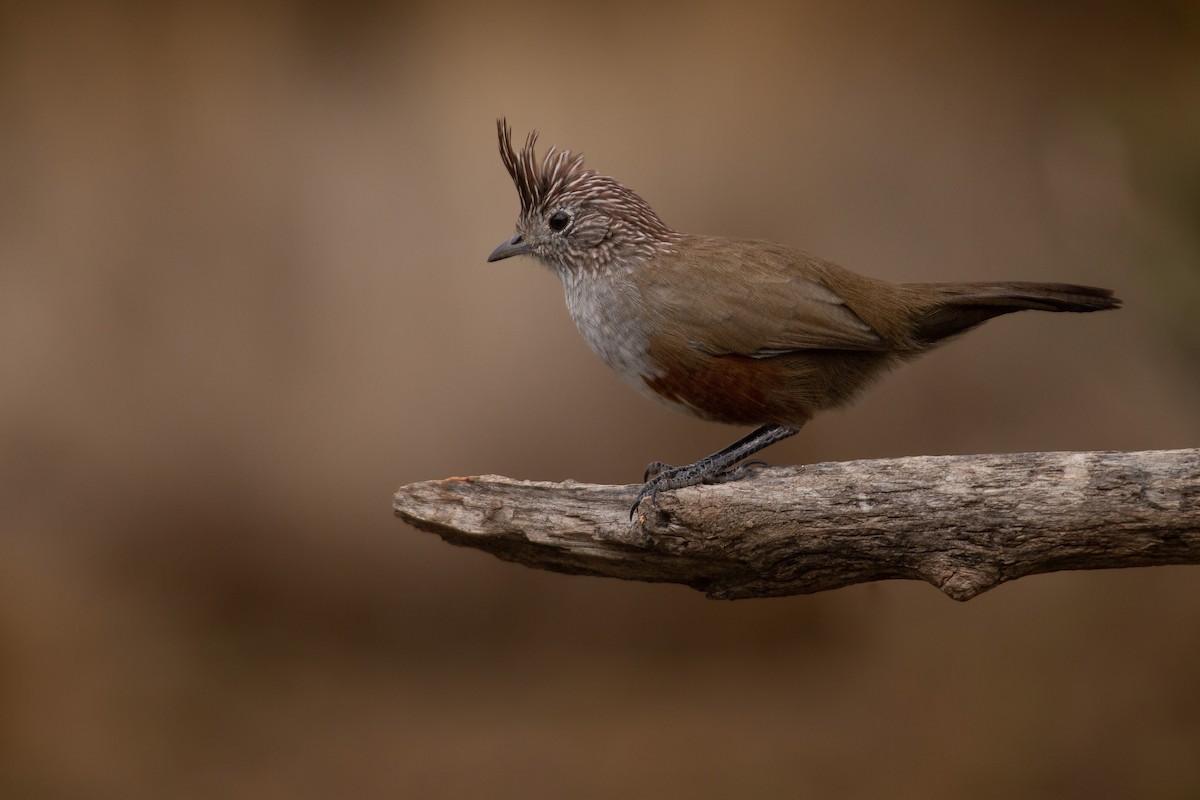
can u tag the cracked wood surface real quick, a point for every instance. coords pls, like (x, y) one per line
(963, 523)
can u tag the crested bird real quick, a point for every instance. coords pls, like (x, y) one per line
(732, 330)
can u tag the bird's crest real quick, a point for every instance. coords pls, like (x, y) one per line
(538, 182)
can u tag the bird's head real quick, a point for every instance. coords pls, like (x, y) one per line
(574, 219)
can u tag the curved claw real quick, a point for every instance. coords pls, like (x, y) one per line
(654, 469)
(637, 501)
(652, 486)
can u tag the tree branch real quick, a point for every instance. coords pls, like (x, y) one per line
(963, 523)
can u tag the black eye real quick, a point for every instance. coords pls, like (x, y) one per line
(559, 220)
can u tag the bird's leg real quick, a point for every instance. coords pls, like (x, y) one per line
(716, 468)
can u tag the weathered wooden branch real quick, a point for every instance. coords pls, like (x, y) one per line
(963, 523)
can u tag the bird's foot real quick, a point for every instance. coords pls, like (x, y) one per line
(659, 476)
(654, 469)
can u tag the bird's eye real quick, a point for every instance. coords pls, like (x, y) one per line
(559, 220)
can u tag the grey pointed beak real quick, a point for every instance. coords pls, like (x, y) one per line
(516, 246)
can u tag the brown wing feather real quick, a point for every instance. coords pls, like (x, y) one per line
(778, 304)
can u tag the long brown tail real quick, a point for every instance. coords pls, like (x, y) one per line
(957, 307)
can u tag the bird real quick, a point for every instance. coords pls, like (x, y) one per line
(735, 331)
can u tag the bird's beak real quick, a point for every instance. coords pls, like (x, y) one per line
(516, 246)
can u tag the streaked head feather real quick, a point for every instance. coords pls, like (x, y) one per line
(537, 183)
(611, 221)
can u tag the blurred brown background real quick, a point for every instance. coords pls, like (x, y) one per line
(243, 297)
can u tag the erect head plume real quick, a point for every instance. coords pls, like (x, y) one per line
(558, 172)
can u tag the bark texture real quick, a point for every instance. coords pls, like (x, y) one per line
(963, 523)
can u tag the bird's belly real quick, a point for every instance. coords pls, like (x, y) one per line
(617, 329)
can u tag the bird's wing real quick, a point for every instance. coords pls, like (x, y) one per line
(761, 300)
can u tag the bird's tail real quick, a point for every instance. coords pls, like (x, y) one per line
(958, 307)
